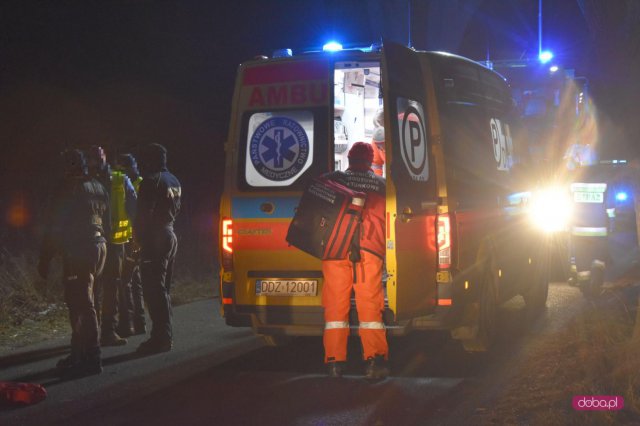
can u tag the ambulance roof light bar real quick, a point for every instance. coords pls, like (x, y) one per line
(282, 53)
(332, 46)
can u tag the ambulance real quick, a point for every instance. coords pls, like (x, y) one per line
(459, 236)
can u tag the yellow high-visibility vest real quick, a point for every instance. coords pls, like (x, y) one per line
(120, 223)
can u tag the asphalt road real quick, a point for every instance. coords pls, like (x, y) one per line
(217, 375)
(201, 341)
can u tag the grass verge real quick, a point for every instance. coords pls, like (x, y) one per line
(33, 310)
(597, 353)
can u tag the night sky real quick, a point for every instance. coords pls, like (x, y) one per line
(130, 72)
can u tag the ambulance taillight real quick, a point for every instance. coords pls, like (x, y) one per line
(444, 241)
(227, 244)
(226, 251)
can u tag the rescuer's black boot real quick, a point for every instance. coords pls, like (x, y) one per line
(335, 369)
(376, 368)
(66, 362)
(76, 356)
(154, 346)
(88, 366)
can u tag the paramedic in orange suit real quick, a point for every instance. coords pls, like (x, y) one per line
(361, 271)
(379, 156)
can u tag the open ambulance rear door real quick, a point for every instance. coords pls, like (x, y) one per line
(413, 177)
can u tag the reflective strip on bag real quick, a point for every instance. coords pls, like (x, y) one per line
(373, 325)
(331, 325)
(589, 231)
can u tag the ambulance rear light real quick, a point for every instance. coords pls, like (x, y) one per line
(227, 235)
(227, 244)
(227, 289)
(444, 241)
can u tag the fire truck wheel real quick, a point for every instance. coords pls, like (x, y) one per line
(535, 298)
(487, 321)
(276, 340)
(593, 288)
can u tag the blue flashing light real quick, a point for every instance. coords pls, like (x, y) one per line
(332, 46)
(283, 53)
(545, 56)
(553, 68)
(622, 196)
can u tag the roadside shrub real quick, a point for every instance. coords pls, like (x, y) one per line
(22, 293)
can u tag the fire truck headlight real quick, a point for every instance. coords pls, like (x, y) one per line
(550, 209)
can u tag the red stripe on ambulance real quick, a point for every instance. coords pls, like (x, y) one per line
(286, 72)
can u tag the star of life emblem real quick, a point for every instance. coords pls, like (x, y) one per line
(279, 148)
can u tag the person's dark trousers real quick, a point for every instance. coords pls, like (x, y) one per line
(111, 281)
(138, 301)
(156, 267)
(79, 273)
(131, 305)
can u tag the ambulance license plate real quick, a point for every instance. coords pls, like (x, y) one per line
(588, 197)
(286, 287)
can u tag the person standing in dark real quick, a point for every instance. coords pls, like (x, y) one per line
(158, 205)
(123, 202)
(131, 303)
(76, 225)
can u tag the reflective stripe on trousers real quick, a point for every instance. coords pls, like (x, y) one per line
(372, 325)
(332, 325)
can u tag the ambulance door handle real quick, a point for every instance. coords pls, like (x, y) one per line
(406, 215)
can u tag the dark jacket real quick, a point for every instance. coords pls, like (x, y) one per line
(78, 215)
(159, 199)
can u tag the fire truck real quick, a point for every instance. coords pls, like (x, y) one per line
(460, 190)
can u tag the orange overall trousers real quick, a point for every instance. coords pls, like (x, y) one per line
(365, 277)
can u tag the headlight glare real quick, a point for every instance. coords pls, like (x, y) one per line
(550, 209)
